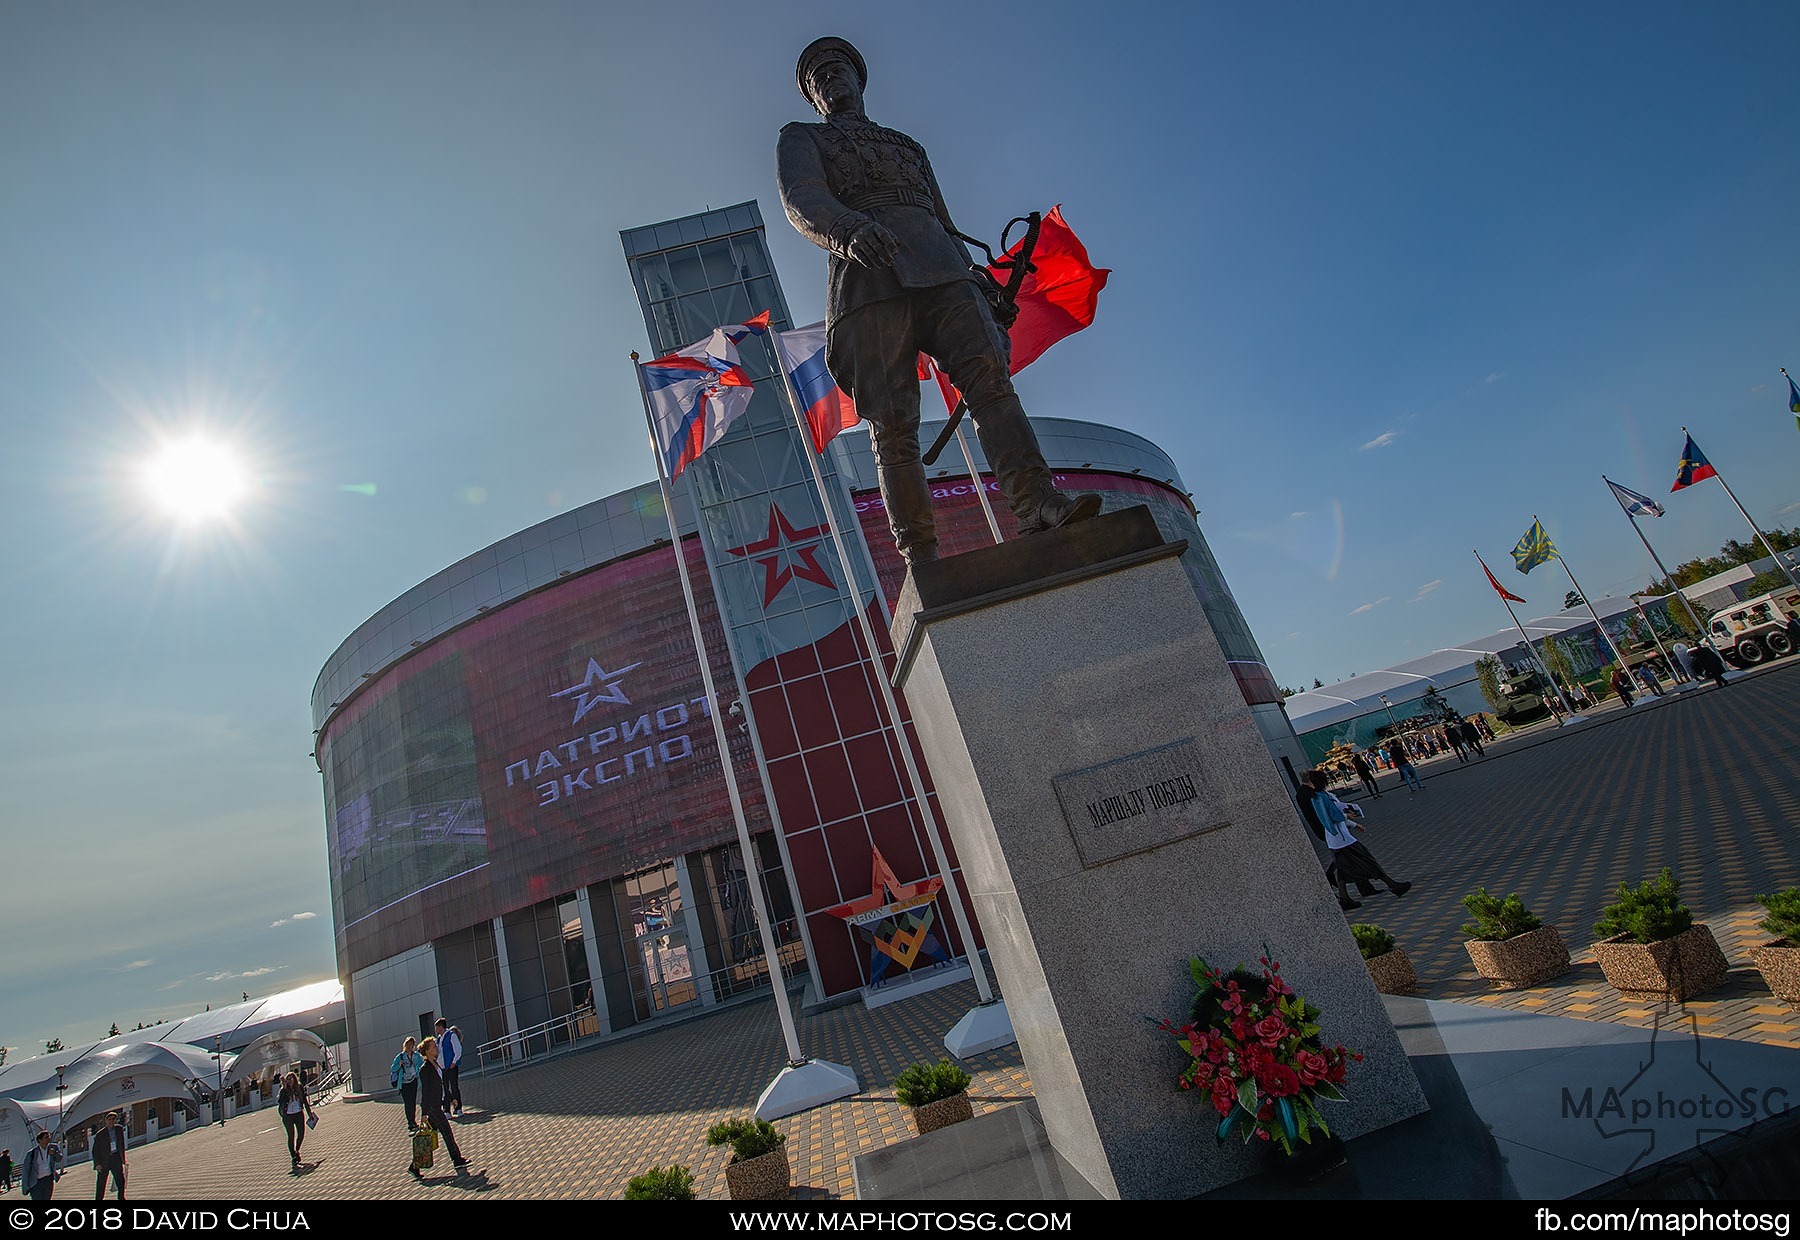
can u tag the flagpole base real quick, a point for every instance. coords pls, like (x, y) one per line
(803, 1086)
(984, 1028)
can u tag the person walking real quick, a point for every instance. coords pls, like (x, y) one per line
(42, 1169)
(1366, 774)
(296, 1113)
(1453, 733)
(403, 1074)
(1708, 665)
(1793, 629)
(1646, 675)
(431, 1103)
(1472, 738)
(1621, 684)
(108, 1147)
(450, 1052)
(1303, 797)
(1352, 859)
(6, 1171)
(1404, 765)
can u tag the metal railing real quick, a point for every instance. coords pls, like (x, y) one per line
(563, 1033)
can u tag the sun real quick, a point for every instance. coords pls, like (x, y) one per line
(197, 479)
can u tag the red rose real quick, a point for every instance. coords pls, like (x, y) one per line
(1224, 1095)
(1312, 1067)
(1282, 1081)
(1271, 1029)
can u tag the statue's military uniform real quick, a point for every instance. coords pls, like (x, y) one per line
(835, 177)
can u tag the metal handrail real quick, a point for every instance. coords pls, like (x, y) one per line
(562, 1033)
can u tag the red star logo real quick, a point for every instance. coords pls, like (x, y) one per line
(769, 553)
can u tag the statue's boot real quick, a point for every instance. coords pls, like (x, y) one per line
(1012, 450)
(907, 496)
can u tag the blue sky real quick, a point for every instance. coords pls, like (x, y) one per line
(1390, 279)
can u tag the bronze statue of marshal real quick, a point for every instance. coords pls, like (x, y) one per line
(901, 284)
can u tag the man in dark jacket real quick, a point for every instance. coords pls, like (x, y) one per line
(109, 1157)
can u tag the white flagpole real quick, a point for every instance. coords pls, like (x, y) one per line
(1505, 602)
(1604, 635)
(933, 830)
(1767, 546)
(1657, 560)
(987, 509)
(770, 950)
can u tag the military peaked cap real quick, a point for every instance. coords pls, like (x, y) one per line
(824, 49)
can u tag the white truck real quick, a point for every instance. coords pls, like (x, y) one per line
(1756, 629)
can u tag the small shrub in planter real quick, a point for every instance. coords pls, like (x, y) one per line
(1509, 944)
(671, 1183)
(1651, 947)
(758, 1170)
(1388, 964)
(1779, 959)
(937, 1093)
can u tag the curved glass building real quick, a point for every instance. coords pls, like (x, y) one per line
(528, 827)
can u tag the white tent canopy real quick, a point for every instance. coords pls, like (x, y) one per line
(1361, 695)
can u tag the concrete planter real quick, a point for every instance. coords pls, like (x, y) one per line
(1393, 973)
(766, 1177)
(1779, 965)
(942, 1113)
(1521, 961)
(1675, 969)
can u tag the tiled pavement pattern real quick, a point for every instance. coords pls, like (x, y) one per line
(1708, 783)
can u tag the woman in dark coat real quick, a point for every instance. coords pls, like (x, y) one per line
(431, 1105)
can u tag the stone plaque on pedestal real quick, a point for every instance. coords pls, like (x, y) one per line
(1117, 813)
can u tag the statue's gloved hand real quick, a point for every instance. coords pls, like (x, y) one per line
(872, 245)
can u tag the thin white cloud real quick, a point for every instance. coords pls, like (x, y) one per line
(1761, 387)
(227, 975)
(260, 972)
(1427, 588)
(1793, 507)
(1382, 440)
(136, 964)
(296, 917)
(1495, 377)
(1295, 516)
(1371, 606)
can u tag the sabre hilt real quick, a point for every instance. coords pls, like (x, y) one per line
(1003, 298)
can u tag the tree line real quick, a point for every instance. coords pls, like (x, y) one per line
(1731, 555)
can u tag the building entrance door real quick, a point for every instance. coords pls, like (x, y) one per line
(660, 967)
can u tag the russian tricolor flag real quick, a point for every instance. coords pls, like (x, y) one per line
(696, 393)
(828, 408)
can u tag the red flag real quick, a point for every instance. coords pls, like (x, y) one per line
(1059, 298)
(1499, 589)
(1056, 300)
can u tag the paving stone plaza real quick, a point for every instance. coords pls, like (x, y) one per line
(1707, 783)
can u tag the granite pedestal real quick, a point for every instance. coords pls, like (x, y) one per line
(1116, 812)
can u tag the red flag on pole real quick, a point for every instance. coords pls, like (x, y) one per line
(1060, 297)
(1057, 299)
(1499, 589)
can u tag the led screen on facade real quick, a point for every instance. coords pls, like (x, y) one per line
(562, 740)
